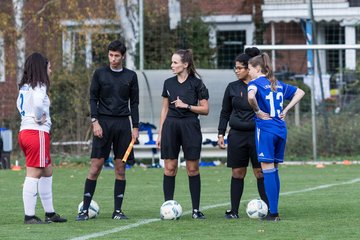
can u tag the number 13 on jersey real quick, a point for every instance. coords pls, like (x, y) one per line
(275, 103)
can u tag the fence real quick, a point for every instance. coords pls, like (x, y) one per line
(217, 33)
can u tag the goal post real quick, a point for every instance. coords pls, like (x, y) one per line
(307, 47)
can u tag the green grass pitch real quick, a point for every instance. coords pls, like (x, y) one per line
(315, 204)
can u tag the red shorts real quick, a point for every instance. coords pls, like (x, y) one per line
(36, 147)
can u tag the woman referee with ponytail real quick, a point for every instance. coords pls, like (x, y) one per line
(184, 97)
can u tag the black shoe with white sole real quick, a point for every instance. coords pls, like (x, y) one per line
(198, 215)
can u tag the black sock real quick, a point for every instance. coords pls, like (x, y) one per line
(169, 187)
(195, 189)
(236, 191)
(261, 189)
(89, 190)
(119, 190)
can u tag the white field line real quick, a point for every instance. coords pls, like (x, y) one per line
(147, 221)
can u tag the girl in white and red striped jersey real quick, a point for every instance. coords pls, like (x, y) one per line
(34, 138)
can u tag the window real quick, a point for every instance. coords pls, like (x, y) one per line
(79, 47)
(334, 34)
(354, 3)
(85, 42)
(229, 44)
(2, 58)
(228, 35)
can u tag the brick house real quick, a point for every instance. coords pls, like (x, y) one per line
(337, 23)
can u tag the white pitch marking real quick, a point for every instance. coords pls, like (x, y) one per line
(115, 230)
(147, 221)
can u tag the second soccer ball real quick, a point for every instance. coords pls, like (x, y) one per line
(257, 208)
(170, 210)
(94, 209)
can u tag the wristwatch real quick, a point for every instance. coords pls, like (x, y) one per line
(93, 120)
(188, 107)
(220, 136)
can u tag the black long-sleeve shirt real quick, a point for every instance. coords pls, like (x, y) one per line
(236, 109)
(110, 93)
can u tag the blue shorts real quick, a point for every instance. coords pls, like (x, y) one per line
(270, 147)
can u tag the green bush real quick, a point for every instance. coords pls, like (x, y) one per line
(305, 104)
(339, 139)
(70, 109)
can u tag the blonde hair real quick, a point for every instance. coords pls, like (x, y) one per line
(263, 60)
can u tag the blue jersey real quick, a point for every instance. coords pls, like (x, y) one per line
(272, 103)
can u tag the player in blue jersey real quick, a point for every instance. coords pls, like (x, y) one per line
(266, 96)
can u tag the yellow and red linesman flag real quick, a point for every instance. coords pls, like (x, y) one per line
(128, 150)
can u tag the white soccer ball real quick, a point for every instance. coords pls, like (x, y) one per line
(94, 209)
(170, 210)
(257, 208)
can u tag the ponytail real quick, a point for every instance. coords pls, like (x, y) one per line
(187, 57)
(269, 72)
(263, 60)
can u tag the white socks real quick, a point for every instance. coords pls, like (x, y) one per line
(30, 195)
(45, 193)
(33, 186)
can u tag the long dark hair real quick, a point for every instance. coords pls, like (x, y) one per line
(35, 71)
(263, 60)
(247, 55)
(186, 56)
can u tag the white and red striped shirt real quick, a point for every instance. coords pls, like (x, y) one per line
(32, 105)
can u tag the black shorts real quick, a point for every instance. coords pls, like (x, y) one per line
(116, 134)
(185, 132)
(241, 148)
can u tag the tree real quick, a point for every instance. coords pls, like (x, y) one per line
(18, 7)
(127, 11)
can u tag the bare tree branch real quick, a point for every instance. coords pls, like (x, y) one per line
(39, 12)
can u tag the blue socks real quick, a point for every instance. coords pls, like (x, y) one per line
(272, 188)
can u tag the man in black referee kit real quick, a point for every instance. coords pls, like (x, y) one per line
(112, 87)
